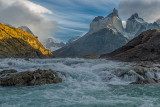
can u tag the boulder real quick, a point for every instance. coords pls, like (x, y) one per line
(28, 78)
(147, 81)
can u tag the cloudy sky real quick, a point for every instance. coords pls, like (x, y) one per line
(63, 19)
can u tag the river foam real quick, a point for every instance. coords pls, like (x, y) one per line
(89, 83)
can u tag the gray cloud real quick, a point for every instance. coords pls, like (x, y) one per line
(18, 14)
(147, 9)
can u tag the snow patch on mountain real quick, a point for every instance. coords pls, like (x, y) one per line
(53, 44)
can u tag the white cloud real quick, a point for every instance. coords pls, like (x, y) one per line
(35, 7)
(30, 5)
(26, 13)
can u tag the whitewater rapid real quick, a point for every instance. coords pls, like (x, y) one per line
(87, 82)
(75, 69)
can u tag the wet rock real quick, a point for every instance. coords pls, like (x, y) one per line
(157, 75)
(4, 72)
(26, 59)
(150, 75)
(10, 63)
(38, 77)
(146, 81)
(147, 74)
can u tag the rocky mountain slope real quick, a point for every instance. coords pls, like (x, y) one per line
(70, 41)
(105, 35)
(145, 47)
(18, 43)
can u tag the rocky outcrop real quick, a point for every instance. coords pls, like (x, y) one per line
(105, 35)
(38, 77)
(145, 47)
(17, 43)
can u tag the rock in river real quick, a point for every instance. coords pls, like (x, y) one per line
(38, 77)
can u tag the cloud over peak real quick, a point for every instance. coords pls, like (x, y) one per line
(26, 13)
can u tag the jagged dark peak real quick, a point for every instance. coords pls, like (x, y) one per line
(114, 13)
(98, 18)
(135, 16)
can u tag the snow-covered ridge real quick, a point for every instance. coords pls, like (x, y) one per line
(53, 44)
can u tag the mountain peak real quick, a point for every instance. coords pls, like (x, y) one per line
(114, 13)
(97, 18)
(136, 16)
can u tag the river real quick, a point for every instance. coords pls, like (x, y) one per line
(87, 83)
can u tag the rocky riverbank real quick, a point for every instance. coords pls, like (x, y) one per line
(28, 78)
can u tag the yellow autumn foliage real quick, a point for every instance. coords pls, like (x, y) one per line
(7, 32)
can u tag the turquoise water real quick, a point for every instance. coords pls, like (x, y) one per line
(88, 83)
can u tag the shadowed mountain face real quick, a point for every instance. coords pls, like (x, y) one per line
(70, 41)
(95, 43)
(145, 47)
(105, 35)
(15, 42)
